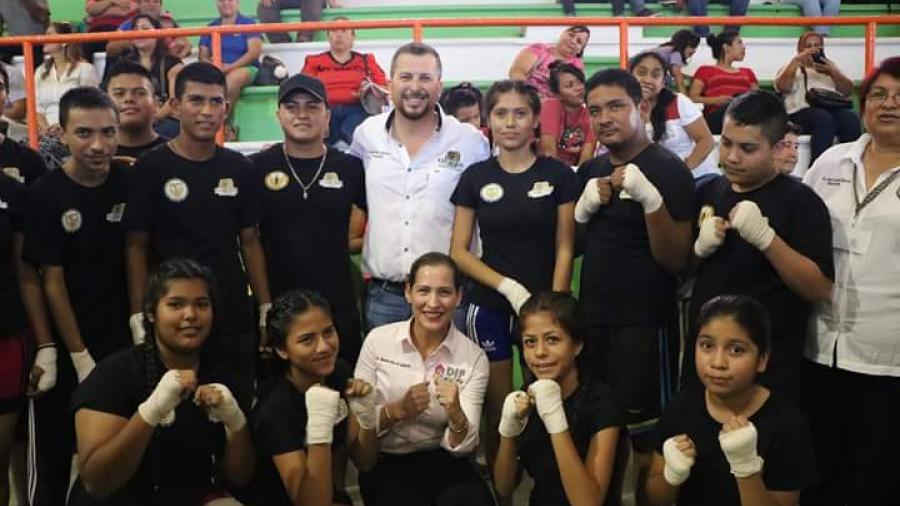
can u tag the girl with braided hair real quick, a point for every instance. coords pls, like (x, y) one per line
(564, 428)
(156, 424)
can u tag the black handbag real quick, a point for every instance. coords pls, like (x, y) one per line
(824, 99)
(268, 74)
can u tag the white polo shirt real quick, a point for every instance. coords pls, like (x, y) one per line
(409, 208)
(390, 361)
(860, 329)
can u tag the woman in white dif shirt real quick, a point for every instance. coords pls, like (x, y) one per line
(855, 352)
(63, 70)
(429, 382)
(820, 72)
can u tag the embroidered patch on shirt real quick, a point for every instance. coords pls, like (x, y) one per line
(71, 221)
(450, 372)
(277, 180)
(540, 189)
(226, 188)
(491, 192)
(176, 190)
(115, 214)
(451, 159)
(3, 205)
(331, 180)
(14, 173)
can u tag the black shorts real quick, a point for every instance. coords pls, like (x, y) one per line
(639, 365)
(13, 373)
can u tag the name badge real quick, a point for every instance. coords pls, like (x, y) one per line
(331, 180)
(116, 213)
(226, 188)
(540, 189)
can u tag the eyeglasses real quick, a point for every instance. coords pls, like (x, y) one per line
(879, 97)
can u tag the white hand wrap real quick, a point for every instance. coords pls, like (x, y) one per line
(322, 409)
(510, 423)
(707, 240)
(46, 360)
(739, 447)
(228, 412)
(159, 408)
(589, 202)
(83, 362)
(138, 333)
(752, 225)
(678, 465)
(364, 409)
(263, 311)
(549, 404)
(641, 189)
(514, 292)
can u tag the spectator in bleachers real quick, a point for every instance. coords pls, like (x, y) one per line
(178, 47)
(105, 16)
(346, 75)
(809, 69)
(812, 8)
(130, 86)
(565, 124)
(698, 8)
(151, 54)
(463, 102)
(715, 86)
(269, 11)
(855, 353)
(565, 431)
(414, 156)
(677, 52)
(762, 234)
(23, 17)
(63, 70)
(240, 53)
(532, 64)
(787, 152)
(677, 123)
(638, 8)
(14, 103)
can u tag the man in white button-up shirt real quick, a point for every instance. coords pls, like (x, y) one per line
(429, 381)
(855, 402)
(413, 157)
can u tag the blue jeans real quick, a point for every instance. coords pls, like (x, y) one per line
(824, 125)
(698, 8)
(818, 8)
(618, 6)
(344, 120)
(384, 306)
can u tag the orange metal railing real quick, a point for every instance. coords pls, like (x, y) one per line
(418, 26)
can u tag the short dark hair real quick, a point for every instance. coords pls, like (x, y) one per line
(434, 259)
(464, 94)
(416, 49)
(763, 109)
(616, 77)
(5, 75)
(128, 67)
(564, 308)
(84, 97)
(199, 72)
(287, 307)
(889, 66)
(561, 67)
(745, 311)
(792, 128)
(509, 85)
(716, 42)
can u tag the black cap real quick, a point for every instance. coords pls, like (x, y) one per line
(302, 82)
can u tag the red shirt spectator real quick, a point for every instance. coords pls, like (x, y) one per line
(107, 15)
(342, 80)
(722, 83)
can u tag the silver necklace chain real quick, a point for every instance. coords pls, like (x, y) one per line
(305, 187)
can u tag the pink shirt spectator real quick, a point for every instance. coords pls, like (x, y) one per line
(539, 75)
(720, 83)
(572, 130)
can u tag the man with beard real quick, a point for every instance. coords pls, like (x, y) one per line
(413, 156)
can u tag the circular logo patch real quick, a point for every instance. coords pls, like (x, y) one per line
(176, 190)
(491, 192)
(71, 221)
(276, 180)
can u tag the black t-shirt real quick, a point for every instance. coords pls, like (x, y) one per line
(181, 458)
(196, 210)
(20, 162)
(305, 240)
(136, 151)
(621, 282)
(783, 442)
(801, 219)
(279, 426)
(589, 410)
(516, 216)
(80, 229)
(12, 220)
